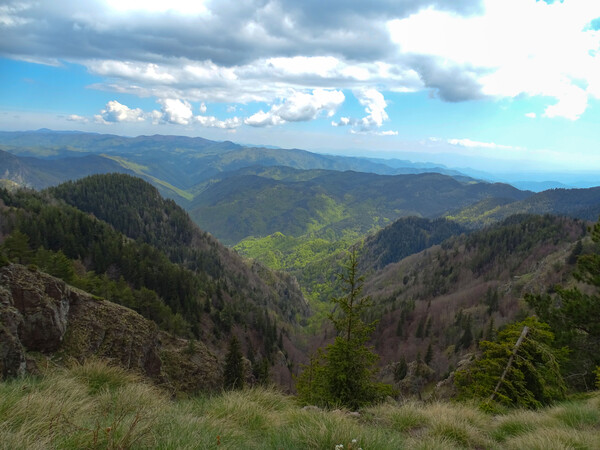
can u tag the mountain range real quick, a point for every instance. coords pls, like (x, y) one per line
(142, 222)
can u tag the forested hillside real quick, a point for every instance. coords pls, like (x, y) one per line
(167, 269)
(331, 204)
(579, 203)
(441, 301)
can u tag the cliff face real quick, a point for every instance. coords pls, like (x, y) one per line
(42, 314)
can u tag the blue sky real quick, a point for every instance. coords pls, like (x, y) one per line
(493, 84)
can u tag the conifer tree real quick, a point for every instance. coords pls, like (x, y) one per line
(16, 246)
(234, 366)
(343, 375)
(531, 379)
(429, 354)
(574, 316)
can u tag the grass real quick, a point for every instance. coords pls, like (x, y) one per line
(98, 406)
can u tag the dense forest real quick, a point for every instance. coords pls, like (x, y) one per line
(441, 302)
(153, 259)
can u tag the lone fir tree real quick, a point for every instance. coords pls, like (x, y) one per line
(342, 375)
(234, 366)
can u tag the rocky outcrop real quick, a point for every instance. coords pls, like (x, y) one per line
(42, 314)
(12, 353)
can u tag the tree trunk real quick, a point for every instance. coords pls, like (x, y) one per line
(510, 360)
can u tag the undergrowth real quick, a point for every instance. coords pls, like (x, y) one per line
(97, 406)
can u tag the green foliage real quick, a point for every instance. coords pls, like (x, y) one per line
(404, 237)
(343, 375)
(429, 355)
(533, 379)
(16, 247)
(400, 370)
(579, 203)
(573, 315)
(233, 373)
(517, 234)
(166, 268)
(55, 263)
(249, 203)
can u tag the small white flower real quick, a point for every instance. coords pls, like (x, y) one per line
(354, 441)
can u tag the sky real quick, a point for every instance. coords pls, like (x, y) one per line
(505, 85)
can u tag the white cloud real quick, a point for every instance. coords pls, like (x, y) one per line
(342, 122)
(9, 14)
(531, 115)
(375, 105)
(572, 103)
(515, 47)
(213, 122)
(176, 111)
(148, 72)
(77, 118)
(115, 112)
(299, 107)
(203, 107)
(263, 80)
(178, 6)
(468, 143)
(173, 111)
(263, 119)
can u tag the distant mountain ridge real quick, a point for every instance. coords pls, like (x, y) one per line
(181, 161)
(238, 192)
(331, 202)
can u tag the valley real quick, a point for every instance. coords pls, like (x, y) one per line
(249, 245)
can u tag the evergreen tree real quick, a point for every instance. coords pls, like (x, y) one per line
(532, 377)
(343, 375)
(466, 339)
(400, 370)
(234, 366)
(16, 247)
(574, 317)
(429, 354)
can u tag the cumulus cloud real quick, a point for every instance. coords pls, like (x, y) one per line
(116, 112)
(213, 122)
(572, 103)
(473, 56)
(263, 119)
(173, 111)
(375, 104)
(531, 115)
(259, 51)
(176, 111)
(299, 107)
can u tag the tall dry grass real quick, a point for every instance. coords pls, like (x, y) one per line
(97, 406)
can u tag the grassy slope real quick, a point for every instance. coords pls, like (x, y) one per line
(95, 406)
